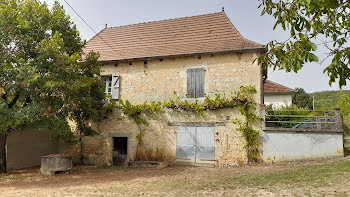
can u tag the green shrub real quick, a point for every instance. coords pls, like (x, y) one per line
(289, 116)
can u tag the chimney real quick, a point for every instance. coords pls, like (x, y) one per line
(106, 26)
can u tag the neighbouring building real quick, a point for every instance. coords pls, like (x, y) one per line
(277, 95)
(194, 57)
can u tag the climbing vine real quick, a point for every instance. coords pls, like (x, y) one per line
(134, 112)
(242, 99)
(251, 135)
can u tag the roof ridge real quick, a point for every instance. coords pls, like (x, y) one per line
(234, 28)
(280, 85)
(165, 20)
(160, 43)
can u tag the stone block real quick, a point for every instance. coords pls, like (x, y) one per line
(51, 165)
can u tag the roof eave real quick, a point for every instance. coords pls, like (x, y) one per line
(279, 93)
(263, 48)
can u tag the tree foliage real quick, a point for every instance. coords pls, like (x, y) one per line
(43, 82)
(344, 105)
(328, 99)
(307, 20)
(302, 99)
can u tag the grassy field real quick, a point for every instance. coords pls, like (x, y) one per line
(316, 178)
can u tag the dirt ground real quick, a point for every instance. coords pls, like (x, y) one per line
(313, 178)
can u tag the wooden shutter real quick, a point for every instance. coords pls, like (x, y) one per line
(191, 83)
(115, 86)
(195, 82)
(199, 82)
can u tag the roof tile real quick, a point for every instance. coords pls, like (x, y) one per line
(273, 87)
(196, 34)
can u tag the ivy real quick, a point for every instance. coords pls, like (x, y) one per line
(242, 99)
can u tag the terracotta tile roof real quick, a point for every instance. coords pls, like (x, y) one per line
(188, 35)
(275, 88)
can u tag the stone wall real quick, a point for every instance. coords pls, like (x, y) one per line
(157, 81)
(160, 136)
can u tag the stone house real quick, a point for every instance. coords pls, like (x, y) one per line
(193, 57)
(277, 95)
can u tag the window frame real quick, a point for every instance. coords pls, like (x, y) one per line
(108, 84)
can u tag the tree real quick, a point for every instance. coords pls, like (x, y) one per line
(43, 82)
(344, 105)
(302, 99)
(307, 20)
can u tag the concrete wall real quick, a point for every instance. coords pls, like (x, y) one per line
(285, 146)
(157, 81)
(25, 147)
(278, 100)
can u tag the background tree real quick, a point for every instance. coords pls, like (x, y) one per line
(328, 99)
(43, 83)
(344, 105)
(307, 20)
(302, 99)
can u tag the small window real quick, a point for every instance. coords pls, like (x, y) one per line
(112, 85)
(195, 83)
(107, 80)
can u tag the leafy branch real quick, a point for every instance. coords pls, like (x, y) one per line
(307, 20)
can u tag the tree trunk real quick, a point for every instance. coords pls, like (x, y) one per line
(3, 138)
(81, 149)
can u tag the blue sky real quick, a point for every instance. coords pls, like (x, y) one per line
(244, 14)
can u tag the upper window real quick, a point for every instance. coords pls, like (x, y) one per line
(107, 80)
(195, 83)
(112, 85)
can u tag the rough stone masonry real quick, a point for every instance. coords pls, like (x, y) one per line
(157, 81)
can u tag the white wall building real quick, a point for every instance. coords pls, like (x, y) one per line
(277, 94)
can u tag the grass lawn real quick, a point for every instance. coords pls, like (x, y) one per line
(315, 178)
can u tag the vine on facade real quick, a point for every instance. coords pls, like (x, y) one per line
(242, 99)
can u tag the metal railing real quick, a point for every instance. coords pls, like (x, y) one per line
(303, 119)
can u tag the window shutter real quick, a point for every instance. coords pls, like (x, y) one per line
(191, 83)
(199, 82)
(115, 86)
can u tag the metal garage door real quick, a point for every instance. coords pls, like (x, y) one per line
(195, 146)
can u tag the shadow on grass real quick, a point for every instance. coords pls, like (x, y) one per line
(313, 176)
(82, 175)
(346, 149)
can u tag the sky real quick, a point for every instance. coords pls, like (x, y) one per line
(244, 14)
